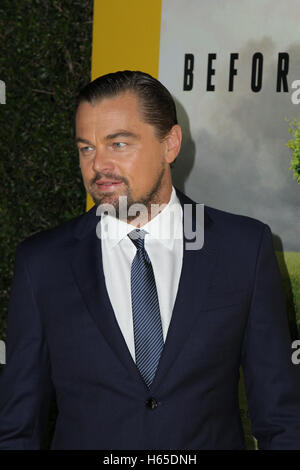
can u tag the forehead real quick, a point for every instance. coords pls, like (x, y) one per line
(121, 111)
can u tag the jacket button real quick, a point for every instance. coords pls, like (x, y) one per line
(151, 403)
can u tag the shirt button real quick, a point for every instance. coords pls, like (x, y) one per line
(151, 403)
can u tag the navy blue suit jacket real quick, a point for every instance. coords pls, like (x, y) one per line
(63, 337)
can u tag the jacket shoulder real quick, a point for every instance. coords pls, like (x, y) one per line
(233, 229)
(59, 237)
(238, 230)
(233, 221)
(224, 219)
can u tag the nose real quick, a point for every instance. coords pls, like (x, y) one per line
(102, 161)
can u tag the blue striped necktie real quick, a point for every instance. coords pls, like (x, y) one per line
(148, 334)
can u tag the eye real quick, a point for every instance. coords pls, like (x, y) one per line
(85, 149)
(119, 145)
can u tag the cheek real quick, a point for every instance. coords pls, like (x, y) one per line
(143, 167)
(85, 164)
(85, 170)
(141, 171)
(149, 162)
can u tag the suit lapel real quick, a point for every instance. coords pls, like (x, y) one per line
(87, 269)
(197, 269)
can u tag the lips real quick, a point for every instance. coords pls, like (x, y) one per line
(107, 184)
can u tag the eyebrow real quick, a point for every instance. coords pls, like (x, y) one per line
(83, 141)
(120, 133)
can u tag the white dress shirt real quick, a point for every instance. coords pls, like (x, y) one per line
(164, 245)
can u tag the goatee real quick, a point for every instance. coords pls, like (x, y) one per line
(110, 200)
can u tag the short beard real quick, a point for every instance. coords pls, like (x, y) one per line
(152, 197)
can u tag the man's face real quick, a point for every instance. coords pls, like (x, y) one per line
(120, 155)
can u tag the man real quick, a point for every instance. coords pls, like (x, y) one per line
(140, 335)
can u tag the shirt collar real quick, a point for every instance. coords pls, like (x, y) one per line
(165, 226)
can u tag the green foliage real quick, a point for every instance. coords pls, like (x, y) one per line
(289, 264)
(294, 145)
(45, 57)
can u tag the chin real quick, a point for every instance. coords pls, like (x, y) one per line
(109, 198)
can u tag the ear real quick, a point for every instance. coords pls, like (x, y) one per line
(173, 143)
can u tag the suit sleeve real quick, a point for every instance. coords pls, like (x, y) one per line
(272, 381)
(25, 383)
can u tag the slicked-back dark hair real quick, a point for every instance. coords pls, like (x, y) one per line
(155, 101)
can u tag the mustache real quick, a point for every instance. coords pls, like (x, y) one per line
(110, 176)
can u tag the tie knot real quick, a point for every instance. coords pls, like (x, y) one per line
(137, 237)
